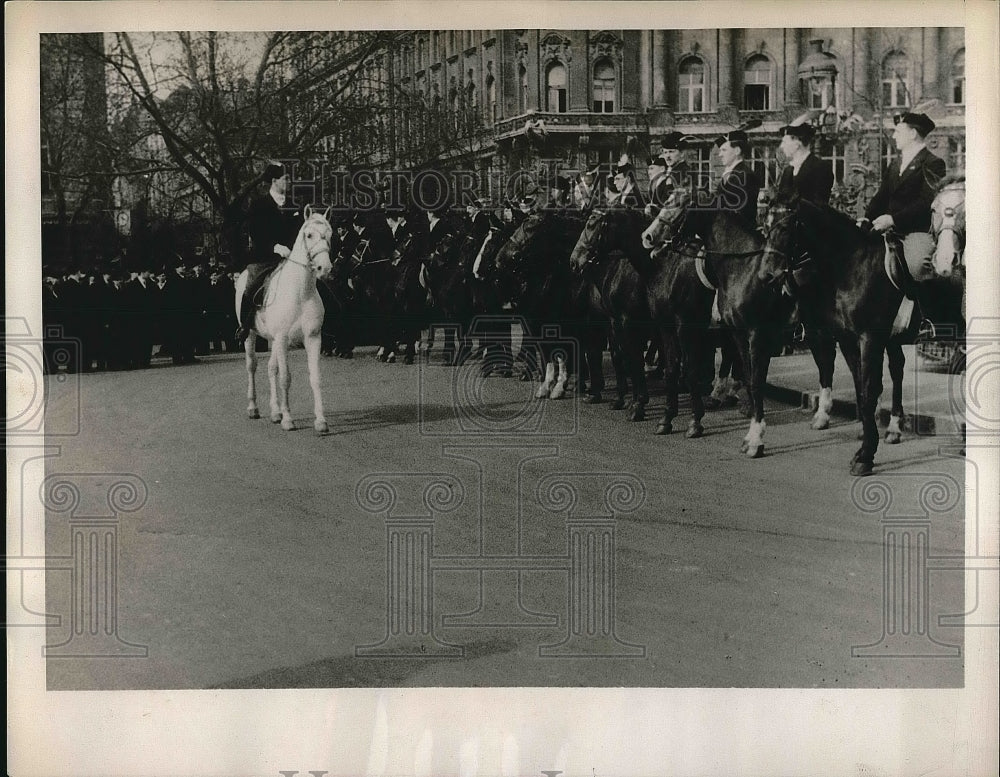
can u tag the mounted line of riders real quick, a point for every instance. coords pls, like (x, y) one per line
(682, 273)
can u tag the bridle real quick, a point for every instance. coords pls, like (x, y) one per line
(321, 247)
(595, 239)
(946, 220)
(793, 261)
(677, 242)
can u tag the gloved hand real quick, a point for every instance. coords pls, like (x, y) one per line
(282, 251)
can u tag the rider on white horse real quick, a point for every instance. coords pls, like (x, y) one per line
(274, 222)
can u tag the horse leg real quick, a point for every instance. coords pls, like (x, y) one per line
(742, 348)
(313, 344)
(760, 358)
(284, 380)
(633, 350)
(594, 347)
(562, 375)
(897, 362)
(872, 354)
(862, 354)
(621, 379)
(670, 356)
(272, 379)
(250, 348)
(824, 351)
(546, 385)
(692, 347)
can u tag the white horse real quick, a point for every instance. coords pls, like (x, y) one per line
(948, 227)
(292, 314)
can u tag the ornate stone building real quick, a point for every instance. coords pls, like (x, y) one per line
(599, 92)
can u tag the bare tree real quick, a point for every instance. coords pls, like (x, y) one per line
(223, 103)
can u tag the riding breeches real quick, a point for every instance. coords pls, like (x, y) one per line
(256, 275)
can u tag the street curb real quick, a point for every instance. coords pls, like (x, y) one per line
(921, 424)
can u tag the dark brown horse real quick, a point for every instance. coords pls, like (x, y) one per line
(751, 308)
(854, 298)
(533, 272)
(677, 303)
(601, 256)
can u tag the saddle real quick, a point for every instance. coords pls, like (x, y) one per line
(907, 260)
(699, 267)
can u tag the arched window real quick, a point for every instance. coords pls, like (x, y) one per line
(896, 80)
(555, 81)
(958, 78)
(522, 86)
(604, 87)
(757, 84)
(692, 85)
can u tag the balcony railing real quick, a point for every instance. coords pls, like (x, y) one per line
(582, 121)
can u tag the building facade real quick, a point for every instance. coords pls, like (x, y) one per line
(598, 93)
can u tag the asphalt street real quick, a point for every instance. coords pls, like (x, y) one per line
(261, 558)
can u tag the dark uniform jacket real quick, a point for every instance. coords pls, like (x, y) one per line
(269, 225)
(479, 227)
(737, 192)
(907, 195)
(631, 199)
(677, 176)
(813, 182)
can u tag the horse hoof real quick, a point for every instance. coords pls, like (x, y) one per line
(694, 431)
(861, 468)
(390, 359)
(407, 359)
(756, 451)
(664, 427)
(744, 445)
(321, 427)
(893, 438)
(253, 414)
(525, 377)
(288, 426)
(542, 393)
(557, 393)
(275, 418)
(618, 404)
(821, 423)
(638, 413)
(593, 399)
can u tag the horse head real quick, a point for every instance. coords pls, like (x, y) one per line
(780, 229)
(512, 257)
(314, 241)
(669, 221)
(948, 227)
(590, 245)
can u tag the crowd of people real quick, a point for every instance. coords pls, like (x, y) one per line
(109, 318)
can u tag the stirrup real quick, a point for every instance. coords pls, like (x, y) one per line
(927, 330)
(799, 333)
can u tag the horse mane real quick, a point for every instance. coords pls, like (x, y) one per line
(840, 229)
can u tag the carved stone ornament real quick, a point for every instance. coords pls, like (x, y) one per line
(606, 44)
(555, 46)
(521, 51)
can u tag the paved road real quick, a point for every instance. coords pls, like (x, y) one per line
(253, 564)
